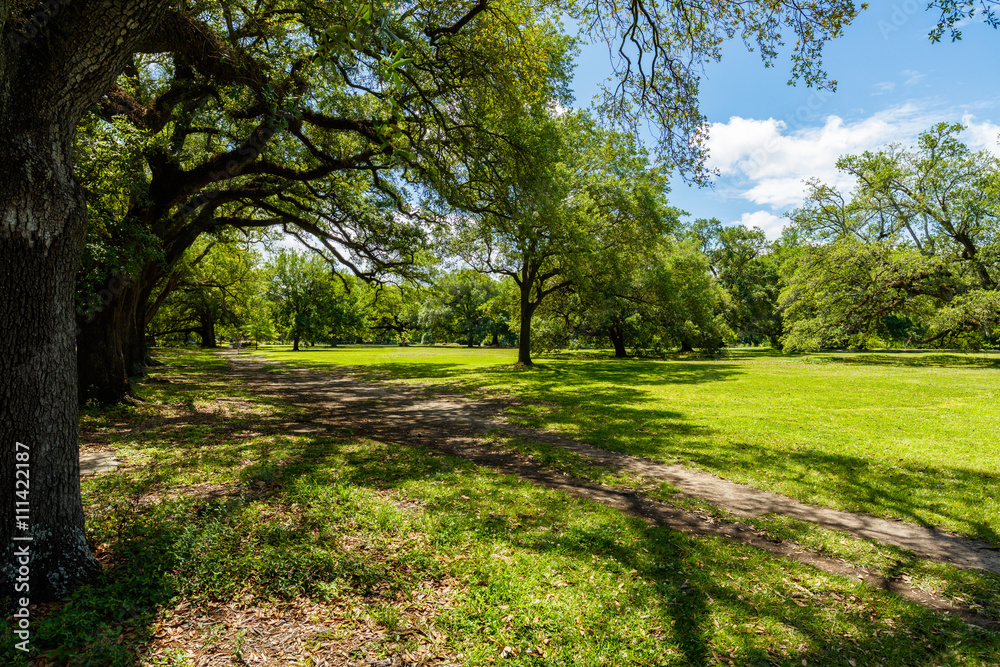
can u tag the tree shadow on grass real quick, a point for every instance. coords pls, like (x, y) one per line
(922, 361)
(681, 580)
(684, 580)
(906, 491)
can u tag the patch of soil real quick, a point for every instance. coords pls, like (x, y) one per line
(304, 632)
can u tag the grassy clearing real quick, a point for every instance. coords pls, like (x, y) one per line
(228, 501)
(912, 436)
(971, 588)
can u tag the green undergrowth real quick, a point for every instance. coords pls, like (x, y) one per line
(905, 435)
(225, 496)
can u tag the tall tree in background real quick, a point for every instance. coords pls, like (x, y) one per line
(456, 306)
(392, 311)
(303, 292)
(215, 284)
(748, 267)
(918, 239)
(570, 197)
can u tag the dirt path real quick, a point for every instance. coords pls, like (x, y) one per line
(743, 500)
(448, 424)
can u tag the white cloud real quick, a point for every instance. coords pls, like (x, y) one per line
(767, 161)
(983, 135)
(884, 87)
(912, 76)
(769, 223)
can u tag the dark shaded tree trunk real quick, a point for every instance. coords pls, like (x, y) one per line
(112, 347)
(207, 332)
(106, 346)
(469, 340)
(686, 346)
(42, 224)
(495, 342)
(295, 343)
(775, 342)
(134, 346)
(102, 373)
(617, 337)
(524, 333)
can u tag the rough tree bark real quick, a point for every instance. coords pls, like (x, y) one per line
(207, 331)
(46, 84)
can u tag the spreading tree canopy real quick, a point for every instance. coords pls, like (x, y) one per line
(913, 252)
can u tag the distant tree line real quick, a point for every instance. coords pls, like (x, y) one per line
(584, 251)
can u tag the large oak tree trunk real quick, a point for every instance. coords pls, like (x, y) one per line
(42, 224)
(47, 81)
(134, 345)
(111, 345)
(207, 332)
(103, 374)
(617, 337)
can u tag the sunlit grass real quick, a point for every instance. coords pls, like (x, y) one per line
(913, 436)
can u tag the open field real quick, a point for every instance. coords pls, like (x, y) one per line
(240, 529)
(913, 436)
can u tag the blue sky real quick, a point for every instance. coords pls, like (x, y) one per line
(768, 137)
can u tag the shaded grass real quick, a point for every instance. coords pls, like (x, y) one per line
(912, 436)
(539, 577)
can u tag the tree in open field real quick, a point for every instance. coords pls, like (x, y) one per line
(56, 65)
(214, 286)
(668, 299)
(747, 266)
(309, 303)
(574, 205)
(392, 311)
(456, 306)
(677, 302)
(913, 254)
(614, 301)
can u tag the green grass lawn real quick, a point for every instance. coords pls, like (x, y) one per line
(914, 436)
(362, 533)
